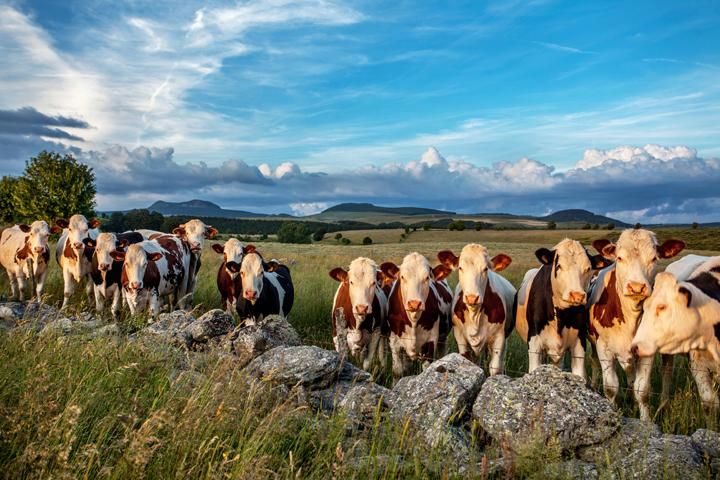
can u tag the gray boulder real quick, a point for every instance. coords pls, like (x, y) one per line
(633, 434)
(362, 401)
(709, 442)
(32, 315)
(212, 324)
(310, 367)
(667, 456)
(71, 326)
(541, 405)
(249, 342)
(171, 328)
(570, 470)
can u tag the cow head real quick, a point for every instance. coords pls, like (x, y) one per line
(37, 240)
(194, 233)
(252, 272)
(413, 277)
(105, 244)
(136, 260)
(571, 270)
(473, 266)
(78, 230)
(636, 255)
(672, 321)
(233, 252)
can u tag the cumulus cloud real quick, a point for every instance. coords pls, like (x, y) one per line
(594, 157)
(307, 208)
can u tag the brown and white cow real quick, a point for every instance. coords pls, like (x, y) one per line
(616, 306)
(71, 255)
(106, 272)
(154, 270)
(483, 303)
(19, 245)
(193, 233)
(418, 311)
(364, 306)
(228, 276)
(550, 314)
(684, 317)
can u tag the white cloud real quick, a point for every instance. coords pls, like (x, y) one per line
(595, 157)
(308, 208)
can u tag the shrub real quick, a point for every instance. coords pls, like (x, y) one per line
(294, 232)
(345, 241)
(551, 225)
(367, 241)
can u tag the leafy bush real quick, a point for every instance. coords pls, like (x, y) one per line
(294, 232)
(551, 225)
(345, 241)
(319, 234)
(367, 241)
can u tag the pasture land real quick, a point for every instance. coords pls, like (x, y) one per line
(118, 409)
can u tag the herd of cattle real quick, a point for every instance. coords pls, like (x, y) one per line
(613, 302)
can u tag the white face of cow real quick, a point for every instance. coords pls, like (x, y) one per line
(361, 278)
(251, 272)
(414, 276)
(473, 266)
(571, 272)
(636, 255)
(136, 263)
(38, 233)
(105, 244)
(671, 321)
(233, 252)
(78, 229)
(194, 233)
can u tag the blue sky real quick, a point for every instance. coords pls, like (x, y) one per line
(291, 106)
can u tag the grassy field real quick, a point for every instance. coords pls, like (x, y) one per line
(119, 409)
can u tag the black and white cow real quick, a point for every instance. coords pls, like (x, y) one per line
(550, 313)
(267, 287)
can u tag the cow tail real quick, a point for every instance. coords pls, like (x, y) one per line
(510, 322)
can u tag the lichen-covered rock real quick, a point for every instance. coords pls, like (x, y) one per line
(667, 456)
(570, 470)
(633, 433)
(361, 403)
(248, 342)
(311, 367)
(709, 442)
(541, 405)
(212, 324)
(31, 315)
(68, 326)
(170, 328)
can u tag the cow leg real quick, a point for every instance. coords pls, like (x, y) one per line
(20, 278)
(462, 344)
(398, 363)
(534, 353)
(115, 309)
(99, 299)
(577, 361)
(40, 282)
(89, 288)
(668, 362)
(702, 372)
(611, 383)
(372, 349)
(382, 350)
(641, 386)
(154, 302)
(497, 354)
(68, 287)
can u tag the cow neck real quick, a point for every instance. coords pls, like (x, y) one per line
(630, 310)
(399, 316)
(491, 306)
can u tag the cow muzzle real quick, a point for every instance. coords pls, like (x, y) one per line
(104, 267)
(196, 247)
(577, 298)
(135, 285)
(362, 309)
(39, 250)
(414, 306)
(78, 245)
(250, 295)
(472, 301)
(637, 290)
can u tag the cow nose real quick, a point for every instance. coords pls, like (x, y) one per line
(195, 247)
(361, 309)
(135, 285)
(250, 294)
(637, 288)
(414, 305)
(472, 299)
(39, 249)
(577, 297)
(78, 245)
(104, 267)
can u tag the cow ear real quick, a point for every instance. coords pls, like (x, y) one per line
(55, 229)
(117, 255)
(62, 223)
(179, 231)
(154, 256)
(339, 274)
(218, 248)
(684, 292)
(24, 228)
(608, 251)
(500, 262)
(598, 262)
(390, 270)
(670, 248)
(121, 243)
(94, 223)
(441, 272)
(271, 266)
(90, 243)
(600, 243)
(448, 258)
(545, 255)
(210, 232)
(249, 249)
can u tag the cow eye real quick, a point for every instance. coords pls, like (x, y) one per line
(619, 259)
(459, 269)
(351, 282)
(427, 279)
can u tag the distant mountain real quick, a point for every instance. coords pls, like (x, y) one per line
(370, 208)
(199, 208)
(581, 216)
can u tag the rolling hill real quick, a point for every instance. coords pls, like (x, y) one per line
(203, 208)
(577, 215)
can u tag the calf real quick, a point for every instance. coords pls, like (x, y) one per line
(418, 312)
(616, 305)
(483, 303)
(267, 288)
(25, 254)
(684, 317)
(550, 313)
(70, 253)
(193, 233)
(106, 271)
(364, 306)
(154, 270)
(228, 276)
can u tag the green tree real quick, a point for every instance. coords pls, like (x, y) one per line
(407, 230)
(587, 226)
(478, 226)
(426, 226)
(367, 241)
(116, 223)
(638, 226)
(551, 225)
(319, 234)
(294, 232)
(53, 186)
(144, 218)
(7, 209)
(338, 236)
(346, 241)
(610, 226)
(695, 225)
(596, 226)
